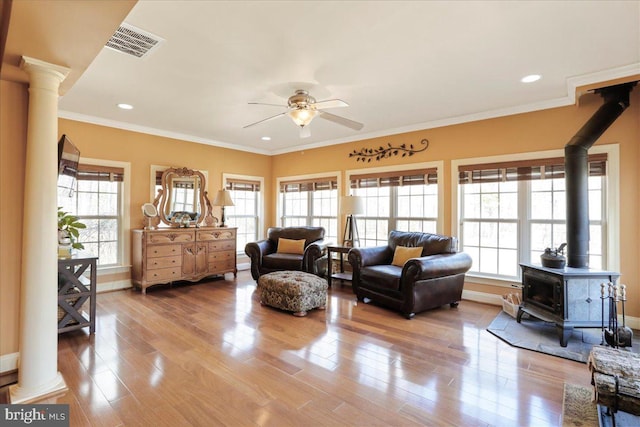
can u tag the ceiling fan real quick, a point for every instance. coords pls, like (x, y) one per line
(302, 108)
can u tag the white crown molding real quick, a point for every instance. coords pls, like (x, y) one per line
(63, 114)
(572, 83)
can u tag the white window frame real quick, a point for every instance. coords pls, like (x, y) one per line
(329, 174)
(124, 240)
(438, 165)
(611, 190)
(260, 213)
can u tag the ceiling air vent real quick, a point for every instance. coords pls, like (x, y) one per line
(133, 41)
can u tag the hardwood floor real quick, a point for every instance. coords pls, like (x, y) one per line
(209, 354)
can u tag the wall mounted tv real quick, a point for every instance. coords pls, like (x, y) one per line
(68, 159)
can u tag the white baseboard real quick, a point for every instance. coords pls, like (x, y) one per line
(9, 362)
(633, 323)
(493, 299)
(243, 266)
(482, 297)
(113, 286)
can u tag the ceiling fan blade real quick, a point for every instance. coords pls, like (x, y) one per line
(330, 103)
(265, 120)
(341, 120)
(305, 131)
(271, 105)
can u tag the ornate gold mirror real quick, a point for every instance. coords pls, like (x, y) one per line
(183, 200)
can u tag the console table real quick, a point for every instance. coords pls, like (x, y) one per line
(75, 287)
(341, 275)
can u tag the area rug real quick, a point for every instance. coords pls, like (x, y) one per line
(537, 335)
(577, 408)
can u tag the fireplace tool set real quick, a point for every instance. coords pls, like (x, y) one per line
(615, 335)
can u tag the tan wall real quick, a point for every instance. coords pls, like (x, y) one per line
(537, 131)
(13, 142)
(143, 150)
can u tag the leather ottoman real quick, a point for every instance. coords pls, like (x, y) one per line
(295, 291)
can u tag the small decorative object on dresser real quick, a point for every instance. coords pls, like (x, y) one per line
(149, 211)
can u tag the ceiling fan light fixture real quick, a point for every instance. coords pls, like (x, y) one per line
(302, 116)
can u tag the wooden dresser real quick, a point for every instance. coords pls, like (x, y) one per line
(171, 254)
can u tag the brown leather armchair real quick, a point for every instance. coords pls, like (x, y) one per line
(434, 279)
(265, 257)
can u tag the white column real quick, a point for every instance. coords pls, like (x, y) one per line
(38, 374)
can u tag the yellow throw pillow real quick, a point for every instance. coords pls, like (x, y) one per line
(290, 246)
(404, 254)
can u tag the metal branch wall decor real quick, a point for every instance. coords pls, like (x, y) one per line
(367, 154)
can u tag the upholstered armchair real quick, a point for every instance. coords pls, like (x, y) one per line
(432, 277)
(283, 250)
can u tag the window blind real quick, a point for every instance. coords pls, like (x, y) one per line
(99, 173)
(396, 178)
(243, 185)
(525, 170)
(326, 183)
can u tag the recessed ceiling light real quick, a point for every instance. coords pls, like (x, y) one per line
(266, 138)
(531, 78)
(125, 106)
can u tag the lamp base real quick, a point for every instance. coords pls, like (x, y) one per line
(351, 239)
(222, 219)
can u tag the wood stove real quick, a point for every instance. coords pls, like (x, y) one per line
(569, 297)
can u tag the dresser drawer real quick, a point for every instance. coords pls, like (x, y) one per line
(221, 256)
(169, 274)
(206, 235)
(164, 262)
(156, 251)
(222, 245)
(222, 266)
(170, 237)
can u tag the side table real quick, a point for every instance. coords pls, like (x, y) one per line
(74, 289)
(341, 275)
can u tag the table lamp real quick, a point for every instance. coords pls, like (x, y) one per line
(223, 198)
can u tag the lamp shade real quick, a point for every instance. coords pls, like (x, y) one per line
(302, 116)
(223, 198)
(351, 205)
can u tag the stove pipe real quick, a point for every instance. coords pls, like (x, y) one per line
(576, 169)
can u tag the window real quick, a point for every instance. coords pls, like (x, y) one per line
(396, 200)
(312, 201)
(511, 211)
(97, 202)
(245, 213)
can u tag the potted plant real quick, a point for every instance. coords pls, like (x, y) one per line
(68, 229)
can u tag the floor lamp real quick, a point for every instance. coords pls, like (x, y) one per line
(350, 206)
(223, 198)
